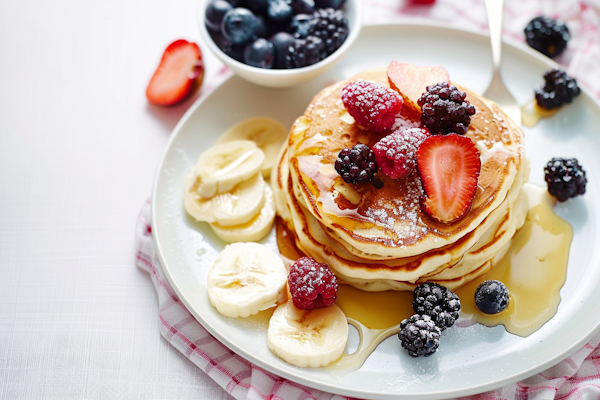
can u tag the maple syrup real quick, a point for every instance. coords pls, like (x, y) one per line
(534, 270)
(531, 113)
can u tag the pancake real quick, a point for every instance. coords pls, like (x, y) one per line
(385, 223)
(451, 265)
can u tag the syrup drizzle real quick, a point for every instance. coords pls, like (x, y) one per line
(531, 113)
(533, 269)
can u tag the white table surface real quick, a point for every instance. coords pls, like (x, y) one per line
(79, 146)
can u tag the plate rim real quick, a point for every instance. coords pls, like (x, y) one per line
(324, 386)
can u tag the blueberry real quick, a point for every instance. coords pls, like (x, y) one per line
(303, 6)
(262, 27)
(335, 4)
(300, 25)
(259, 53)
(258, 6)
(491, 297)
(239, 26)
(279, 10)
(281, 41)
(215, 11)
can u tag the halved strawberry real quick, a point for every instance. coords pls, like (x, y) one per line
(449, 167)
(178, 75)
(411, 81)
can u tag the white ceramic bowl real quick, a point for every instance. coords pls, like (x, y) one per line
(284, 78)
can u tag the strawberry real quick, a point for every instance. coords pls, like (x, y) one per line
(449, 168)
(411, 81)
(178, 75)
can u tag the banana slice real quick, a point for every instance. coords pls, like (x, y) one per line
(307, 338)
(242, 204)
(245, 279)
(254, 230)
(239, 206)
(220, 168)
(267, 133)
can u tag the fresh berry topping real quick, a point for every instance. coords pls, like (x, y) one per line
(279, 10)
(491, 297)
(239, 26)
(331, 26)
(304, 52)
(300, 25)
(356, 165)
(547, 35)
(312, 284)
(303, 6)
(373, 106)
(178, 75)
(335, 4)
(215, 11)
(449, 168)
(565, 178)
(438, 302)
(559, 88)
(445, 109)
(396, 154)
(419, 335)
(259, 53)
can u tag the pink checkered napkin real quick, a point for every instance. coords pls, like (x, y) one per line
(577, 377)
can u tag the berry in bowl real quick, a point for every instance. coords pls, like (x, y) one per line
(279, 43)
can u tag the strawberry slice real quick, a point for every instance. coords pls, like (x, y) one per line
(178, 75)
(449, 167)
(411, 81)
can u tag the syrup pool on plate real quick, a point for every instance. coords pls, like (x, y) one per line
(531, 113)
(533, 269)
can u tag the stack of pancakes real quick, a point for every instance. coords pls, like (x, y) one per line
(375, 236)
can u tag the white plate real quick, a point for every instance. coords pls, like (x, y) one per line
(470, 360)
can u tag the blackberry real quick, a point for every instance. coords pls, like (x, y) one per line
(445, 109)
(304, 52)
(356, 165)
(331, 26)
(558, 89)
(438, 302)
(565, 178)
(546, 35)
(491, 297)
(419, 335)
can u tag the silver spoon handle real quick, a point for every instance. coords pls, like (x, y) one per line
(494, 10)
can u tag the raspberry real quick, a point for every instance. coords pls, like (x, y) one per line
(445, 109)
(396, 154)
(438, 302)
(331, 26)
(558, 89)
(356, 165)
(546, 35)
(373, 106)
(312, 284)
(419, 335)
(565, 178)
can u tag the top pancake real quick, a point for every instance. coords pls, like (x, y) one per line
(388, 222)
